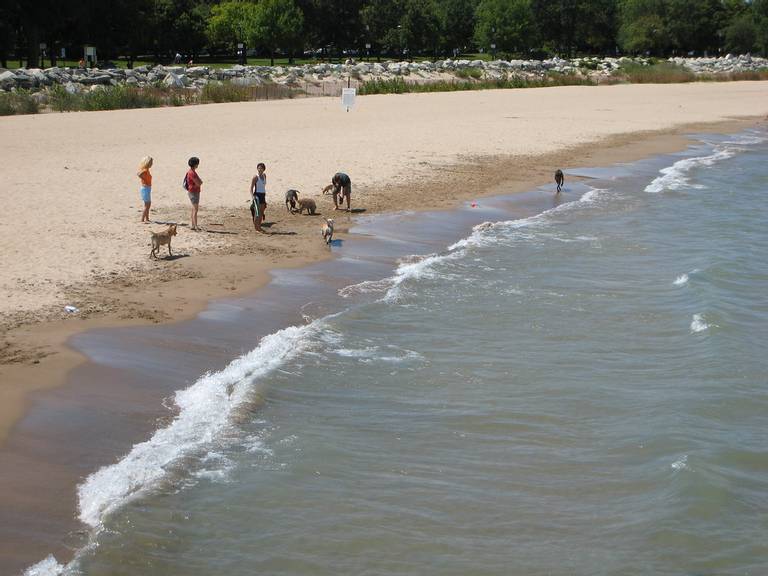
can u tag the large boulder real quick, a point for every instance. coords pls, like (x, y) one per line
(7, 79)
(96, 79)
(173, 80)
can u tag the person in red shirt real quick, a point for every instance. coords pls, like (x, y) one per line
(193, 184)
(146, 186)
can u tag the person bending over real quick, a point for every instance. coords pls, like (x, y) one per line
(342, 186)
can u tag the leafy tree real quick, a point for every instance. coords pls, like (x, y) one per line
(568, 25)
(760, 14)
(334, 23)
(232, 22)
(420, 26)
(642, 26)
(379, 19)
(693, 25)
(741, 35)
(279, 23)
(179, 25)
(8, 28)
(457, 20)
(506, 23)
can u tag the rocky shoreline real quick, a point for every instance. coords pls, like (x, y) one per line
(76, 80)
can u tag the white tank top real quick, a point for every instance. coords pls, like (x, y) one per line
(261, 187)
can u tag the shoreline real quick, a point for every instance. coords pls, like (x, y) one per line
(631, 148)
(36, 356)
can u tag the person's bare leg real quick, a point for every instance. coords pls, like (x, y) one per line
(194, 216)
(145, 214)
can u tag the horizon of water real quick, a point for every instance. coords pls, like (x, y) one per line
(579, 391)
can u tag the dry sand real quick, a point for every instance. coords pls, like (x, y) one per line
(70, 230)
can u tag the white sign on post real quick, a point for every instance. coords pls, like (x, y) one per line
(348, 97)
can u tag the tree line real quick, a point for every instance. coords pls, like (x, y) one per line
(158, 29)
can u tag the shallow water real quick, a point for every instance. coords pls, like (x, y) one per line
(582, 391)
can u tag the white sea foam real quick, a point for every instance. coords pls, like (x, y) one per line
(681, 280)
(698, 324)
(47, 567)
(410, 268)
(746, 139)
(592, 195)
(675, 177)
(365, 287)
(681, 464)
(205, 409)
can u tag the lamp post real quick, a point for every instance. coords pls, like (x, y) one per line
(493, 43)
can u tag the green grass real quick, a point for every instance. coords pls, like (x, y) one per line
(400, 86)
(119, 97)
(657, 73)
(475, 73)
(123, 97)
(19, 102)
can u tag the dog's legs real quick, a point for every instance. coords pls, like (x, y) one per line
(169, 247)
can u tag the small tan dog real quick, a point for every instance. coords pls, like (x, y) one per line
(160, 238)
(307, 204)
(327, 230)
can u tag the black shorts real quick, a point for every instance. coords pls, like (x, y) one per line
(261, 197)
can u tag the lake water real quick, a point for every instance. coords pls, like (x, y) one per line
(578, 388)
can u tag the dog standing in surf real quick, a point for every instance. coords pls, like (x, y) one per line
(327, 231)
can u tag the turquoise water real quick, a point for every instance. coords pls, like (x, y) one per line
(583, 391)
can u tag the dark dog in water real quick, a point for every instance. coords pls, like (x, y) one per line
(559, 179)
(291, 198)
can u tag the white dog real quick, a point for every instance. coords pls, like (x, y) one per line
(327, 230)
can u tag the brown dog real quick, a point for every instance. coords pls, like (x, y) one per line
(160, 238)
(307, 204)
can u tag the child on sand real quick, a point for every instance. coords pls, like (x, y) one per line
(259, 193)
(146, 186)
(193, 183)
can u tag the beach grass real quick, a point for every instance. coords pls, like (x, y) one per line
(475, 73)
(109, 98)
(18, 102)
(401, 86)
(657, 73)
(123, 97)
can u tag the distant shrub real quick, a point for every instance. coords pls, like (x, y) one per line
(61, 100)
(6, 106)
(400, 86)
(120, 97)
(224, 92)
(25, 103)
(475, 73)
(18, 102)
(657, 73)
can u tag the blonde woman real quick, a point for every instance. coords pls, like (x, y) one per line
(146, 186)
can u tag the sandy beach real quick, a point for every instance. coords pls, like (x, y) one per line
(71, 233)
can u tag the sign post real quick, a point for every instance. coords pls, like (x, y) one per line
(348, 97)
